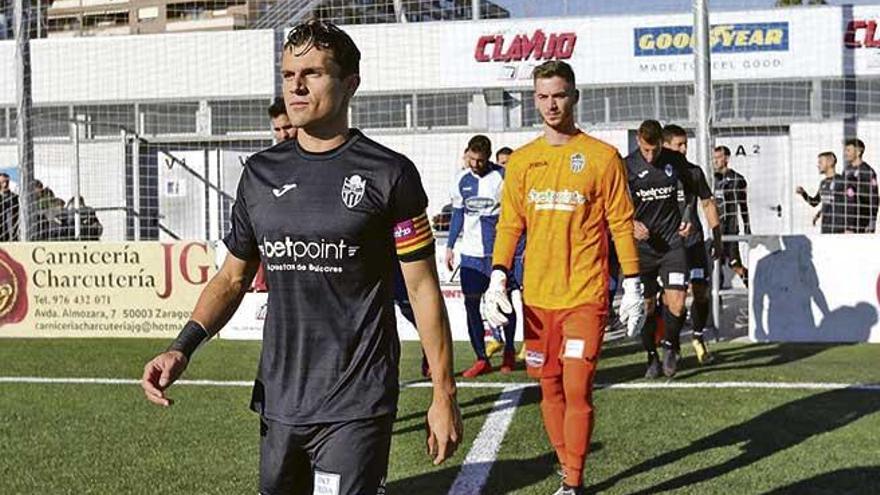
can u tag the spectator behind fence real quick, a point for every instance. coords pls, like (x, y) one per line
(90, 227)
(860, 181)
(9, 211)
(40, 214)
(61, 227)
(831, 195)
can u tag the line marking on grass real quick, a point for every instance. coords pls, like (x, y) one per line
(658, 385)
(478, 463)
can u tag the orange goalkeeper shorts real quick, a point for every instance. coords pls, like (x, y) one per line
(554, 334)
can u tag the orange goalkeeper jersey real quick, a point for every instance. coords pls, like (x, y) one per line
(567, 198)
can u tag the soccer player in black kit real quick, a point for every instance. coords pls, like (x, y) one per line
(699, 270)
(731, 197)
(831, 195)
(328, 213)
(654, 174)
(860, 181)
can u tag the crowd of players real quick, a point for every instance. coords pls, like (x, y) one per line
(675, 254)
(327, 384)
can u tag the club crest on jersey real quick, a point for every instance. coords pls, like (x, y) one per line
(353, 189)
(668, 169)
(578, 162)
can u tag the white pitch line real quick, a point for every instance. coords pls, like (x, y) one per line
(667, 385)
(478, 463)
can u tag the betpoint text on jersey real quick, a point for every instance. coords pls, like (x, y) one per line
(313, 250)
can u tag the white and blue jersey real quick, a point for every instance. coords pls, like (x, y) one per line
(476, 204)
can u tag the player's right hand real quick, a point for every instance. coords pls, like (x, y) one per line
(160, 373)
(497, 304)
(632, 306)
(450, 259)
(800, 190)
(640, 231)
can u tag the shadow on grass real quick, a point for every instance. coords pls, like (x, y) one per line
(505, 476)
(471, 409)
(756, 356)
(764, 435)
(852, 481)
(747, 357)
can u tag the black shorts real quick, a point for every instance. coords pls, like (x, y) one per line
(349, 458)
(670, 266)
(699, 269)
(731, 254)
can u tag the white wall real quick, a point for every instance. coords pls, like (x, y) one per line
(814, 288)
(185, 66)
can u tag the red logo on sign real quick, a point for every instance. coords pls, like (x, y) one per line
(523, 47)
(13, 290)
(201, 277)
(853, 37)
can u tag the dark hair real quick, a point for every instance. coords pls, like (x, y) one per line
(480, 144)
(723, 149)
(672, 131)
(554, 68)
(503, 151)
(857, 143)
(36, 184)
(325, 35)
(651, 132)
(277, 107)
(4, 174)
(829, 154)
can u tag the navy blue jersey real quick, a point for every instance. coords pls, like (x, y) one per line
(654, 188)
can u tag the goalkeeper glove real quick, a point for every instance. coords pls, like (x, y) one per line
(632, 306)
(497, 304)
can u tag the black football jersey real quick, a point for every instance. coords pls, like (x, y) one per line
(328, 228)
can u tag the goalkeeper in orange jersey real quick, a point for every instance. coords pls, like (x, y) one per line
(567, 190)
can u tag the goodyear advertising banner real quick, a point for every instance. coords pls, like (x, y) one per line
(83, 289)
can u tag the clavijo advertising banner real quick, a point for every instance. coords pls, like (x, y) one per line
(613, 50)
(87, 289)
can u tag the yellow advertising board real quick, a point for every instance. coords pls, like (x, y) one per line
(91, 289)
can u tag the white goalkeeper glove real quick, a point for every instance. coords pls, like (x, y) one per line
(497, 305)
(632, 306)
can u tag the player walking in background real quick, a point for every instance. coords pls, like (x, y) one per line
(654, 174)
(327, 384)
(732, 199)
(831, 195)
(861, 189)
(476, 197)
(282, 129)
(567, 190)
(502, 155)
(699, 269)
